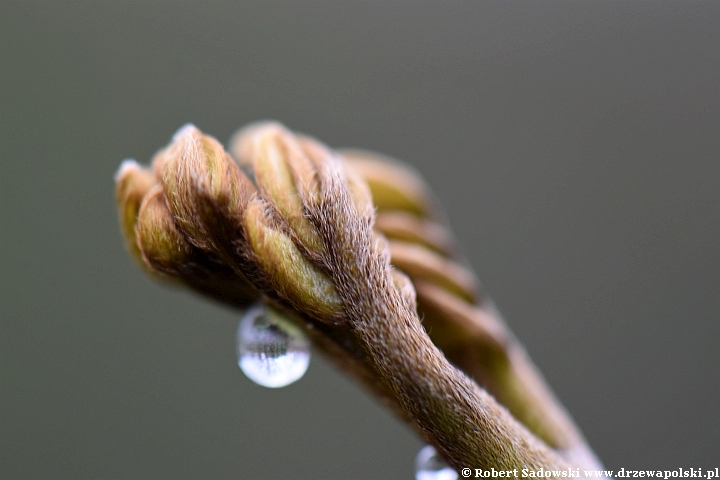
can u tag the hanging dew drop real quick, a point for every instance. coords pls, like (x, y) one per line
(271, 351)
(430, 466)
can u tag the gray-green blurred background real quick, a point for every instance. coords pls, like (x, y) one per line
(575, 146)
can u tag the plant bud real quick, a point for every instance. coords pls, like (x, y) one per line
(206, 191)
(319, 156)
(158, 162)
(452, 323)
(359, 190)
(394, 186)
(243, 146)
(292, 275)
(403, 283)
(132, 183)
(382, 246)
(163, 246)
(286, 177)
(419, 263)
(398, 225)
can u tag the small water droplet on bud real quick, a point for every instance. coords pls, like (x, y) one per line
(271, 351)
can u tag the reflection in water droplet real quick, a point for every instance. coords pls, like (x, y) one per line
(271, 351)
(430, 466)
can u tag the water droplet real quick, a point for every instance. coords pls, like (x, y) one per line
(430, 466)
(271, 351)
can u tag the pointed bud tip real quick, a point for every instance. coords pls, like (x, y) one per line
(243, 143)
(128, 165)
(187, 129)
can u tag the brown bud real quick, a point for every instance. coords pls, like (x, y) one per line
(132, 184)
(453, 323)
(419, 263)
(158, 162)
(394, 186)
(398, 225)
(284, 175)
(206, 191)
(163, 246)
(359, 190)
(403, 283)
(243, 145)
(292, 275)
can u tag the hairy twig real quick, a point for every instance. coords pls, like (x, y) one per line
(352, 247)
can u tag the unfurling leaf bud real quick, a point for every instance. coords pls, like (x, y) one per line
(306, 240)
(242, 144)
(132, 183)
(206, 192)
(394, 186)
(293, 276)
(359, 190)
(163, 246)
(284, 175)
(403, 283)
(399, 225)
(158, 162)
(420, 263)
(453, 324)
